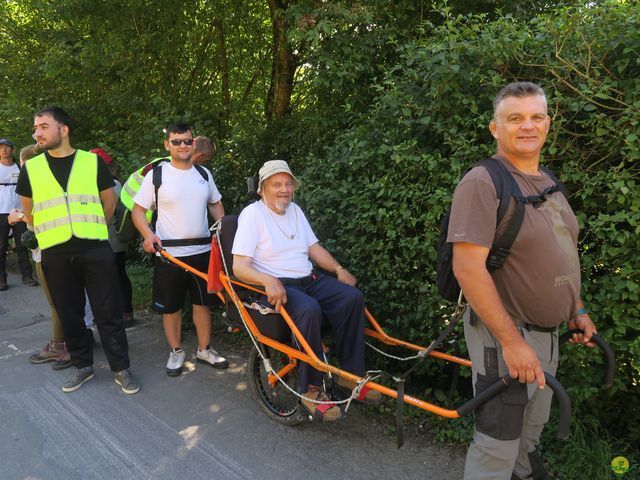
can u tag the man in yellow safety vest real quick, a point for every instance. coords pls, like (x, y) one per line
(68, 200)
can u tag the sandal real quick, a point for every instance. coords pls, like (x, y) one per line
(367, 395)
(321, 412)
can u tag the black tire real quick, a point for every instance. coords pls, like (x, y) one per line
(280, 404)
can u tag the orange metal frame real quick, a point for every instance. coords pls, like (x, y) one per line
(308, 356)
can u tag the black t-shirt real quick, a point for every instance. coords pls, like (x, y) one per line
(61, 169)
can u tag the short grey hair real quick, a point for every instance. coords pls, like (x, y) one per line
(517, 89)
(205, 146)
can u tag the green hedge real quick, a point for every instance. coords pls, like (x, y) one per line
(376, 191)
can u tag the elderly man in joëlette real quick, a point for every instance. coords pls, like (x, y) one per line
(274, 247)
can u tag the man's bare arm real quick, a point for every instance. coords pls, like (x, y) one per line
(216, 210)
(27, 207)
(469, 267)
(275, 291)
(139, 217)
(321, 257)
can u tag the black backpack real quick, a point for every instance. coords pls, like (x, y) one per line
(506, 187)
(124, 228)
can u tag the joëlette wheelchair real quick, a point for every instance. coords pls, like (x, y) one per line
(271, 367)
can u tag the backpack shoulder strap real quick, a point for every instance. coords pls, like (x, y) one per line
(506, 188)
(157, 174)
(202, 171)
(152, 164)
(157, 181)
(559, 185)
(504, 183)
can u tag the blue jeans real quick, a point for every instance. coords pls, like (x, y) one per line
(328, 302)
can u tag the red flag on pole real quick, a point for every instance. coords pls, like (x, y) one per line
(215, 267)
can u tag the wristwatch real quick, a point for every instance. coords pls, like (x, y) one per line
(21, 216)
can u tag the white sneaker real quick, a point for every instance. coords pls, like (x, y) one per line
(175, 362)
(210, 356)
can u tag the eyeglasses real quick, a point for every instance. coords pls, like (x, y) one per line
(187, 141)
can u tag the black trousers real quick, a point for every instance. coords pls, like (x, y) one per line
(23, 252)
(68, 275)
(326, 301)
(126, 290)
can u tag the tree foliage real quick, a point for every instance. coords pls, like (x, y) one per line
(378, 189)
(379, 106)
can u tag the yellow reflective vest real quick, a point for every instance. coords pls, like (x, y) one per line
(59, 215)
(133, 184)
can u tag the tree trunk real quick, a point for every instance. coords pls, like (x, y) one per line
(284, 64)
(224, 74)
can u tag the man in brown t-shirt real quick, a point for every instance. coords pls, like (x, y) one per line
(516, 310)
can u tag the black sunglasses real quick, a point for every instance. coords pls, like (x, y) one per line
(187, 141)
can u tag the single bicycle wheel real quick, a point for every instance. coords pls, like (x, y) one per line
(278, 402)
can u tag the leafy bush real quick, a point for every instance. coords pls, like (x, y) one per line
(388, 110)
(377, 191)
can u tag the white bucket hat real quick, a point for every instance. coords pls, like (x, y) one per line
(272, 167)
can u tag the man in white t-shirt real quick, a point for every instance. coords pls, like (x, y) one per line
(273, 247)
(183, 198)
(9, 200)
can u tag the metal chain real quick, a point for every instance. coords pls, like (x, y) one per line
(459, 310)
(388, 355)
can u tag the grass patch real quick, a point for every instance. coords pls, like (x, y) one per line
(587, 453)
(141, 276)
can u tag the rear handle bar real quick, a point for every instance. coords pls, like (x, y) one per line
(607, 351)
(564, 403)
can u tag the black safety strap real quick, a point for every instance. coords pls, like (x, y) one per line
(457, 315)
(185, 242)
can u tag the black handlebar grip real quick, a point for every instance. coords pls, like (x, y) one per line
(564, 405)
(486, 395)
(607, 351)
(564, 402)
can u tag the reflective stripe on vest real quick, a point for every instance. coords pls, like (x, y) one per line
(59, 215)
(133, 184)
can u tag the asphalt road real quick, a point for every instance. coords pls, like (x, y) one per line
(203, 424)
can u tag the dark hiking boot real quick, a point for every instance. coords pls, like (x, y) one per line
(49, 353)
(63, 361)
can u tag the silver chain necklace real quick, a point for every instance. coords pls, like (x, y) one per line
(290, 236)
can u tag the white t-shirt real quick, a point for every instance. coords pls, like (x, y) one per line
(182, 206)
(8, 197)
(278, 244)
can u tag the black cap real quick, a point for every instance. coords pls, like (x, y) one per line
(4, 141)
